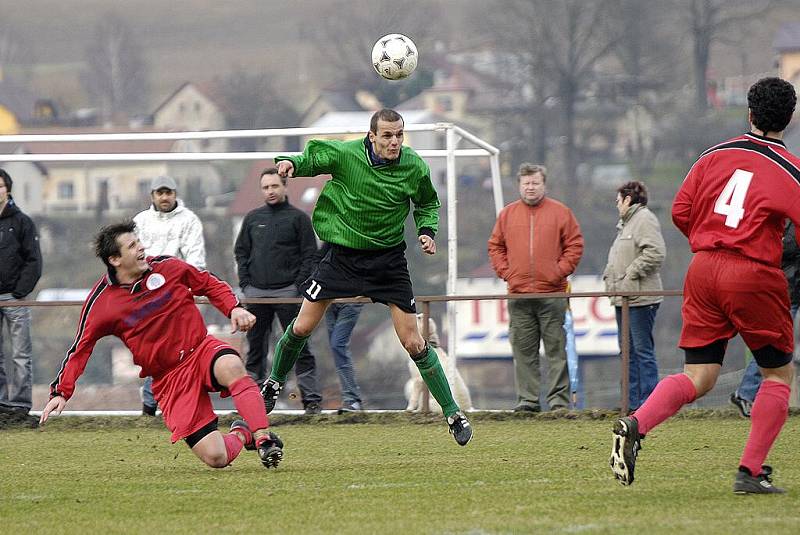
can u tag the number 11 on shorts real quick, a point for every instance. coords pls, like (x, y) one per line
(730, 202)
(313, 289)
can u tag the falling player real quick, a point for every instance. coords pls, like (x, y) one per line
(148, 302)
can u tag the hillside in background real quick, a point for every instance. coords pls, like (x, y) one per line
(200, 39)
(188, 40)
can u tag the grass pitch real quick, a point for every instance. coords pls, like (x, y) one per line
(401, 474)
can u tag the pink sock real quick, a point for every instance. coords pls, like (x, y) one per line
(233, 446)
(769, 413)
(671, 393)
(249, 403)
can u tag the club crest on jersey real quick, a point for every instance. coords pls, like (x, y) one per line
(155, 281)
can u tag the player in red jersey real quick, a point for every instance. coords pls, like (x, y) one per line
(732, 206)
(148, 302)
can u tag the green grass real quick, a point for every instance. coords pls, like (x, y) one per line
(400, 475)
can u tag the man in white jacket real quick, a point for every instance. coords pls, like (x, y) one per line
(168, 228)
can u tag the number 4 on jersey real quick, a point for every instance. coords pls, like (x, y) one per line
(730, 202)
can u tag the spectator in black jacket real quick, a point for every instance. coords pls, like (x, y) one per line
(275, 251)
(20, 269)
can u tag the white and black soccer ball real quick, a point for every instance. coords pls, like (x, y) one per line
(394, 56)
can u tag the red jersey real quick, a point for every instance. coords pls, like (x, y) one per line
(737, 196)
(155, 317)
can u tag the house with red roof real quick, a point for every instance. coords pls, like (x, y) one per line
(193, 107)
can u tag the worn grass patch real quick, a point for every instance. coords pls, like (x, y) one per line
(403, 474)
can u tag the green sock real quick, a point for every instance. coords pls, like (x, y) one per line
(432, 373)
(287, 350)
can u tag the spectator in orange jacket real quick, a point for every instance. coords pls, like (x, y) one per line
(536, 243)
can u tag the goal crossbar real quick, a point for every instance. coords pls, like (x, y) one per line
(453, 135)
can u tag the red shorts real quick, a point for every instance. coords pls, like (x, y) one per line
(182, 393)
(725, 293)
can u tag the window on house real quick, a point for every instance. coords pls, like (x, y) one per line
(66, 191)
(444, 103)
(182, 108)
(102, 201)
(197, 108)
(143, 188)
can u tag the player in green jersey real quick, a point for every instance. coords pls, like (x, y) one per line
(361, 214)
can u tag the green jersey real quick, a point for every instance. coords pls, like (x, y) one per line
(364, 205)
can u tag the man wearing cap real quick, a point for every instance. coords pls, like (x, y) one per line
(20, 269)
(168, 228)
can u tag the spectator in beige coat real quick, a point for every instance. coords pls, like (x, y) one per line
(634, 264)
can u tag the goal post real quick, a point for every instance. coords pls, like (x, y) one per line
(454, 134)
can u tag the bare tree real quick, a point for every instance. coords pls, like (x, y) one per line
(363, 22)
(9, 48)
(648, 53)
(566, 40)
(523, 126)
(252, 102)
(116, 74)
(707, 21)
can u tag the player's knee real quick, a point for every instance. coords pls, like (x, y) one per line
(413, 344)
(703, 378)
(301, 331)
(783, 374)
(770, 357)
(302, 328)
(231, 364)
(227, 369)
(216, 459)
(772, 371)
(703, 365)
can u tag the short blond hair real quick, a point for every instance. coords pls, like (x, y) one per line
(528, 169)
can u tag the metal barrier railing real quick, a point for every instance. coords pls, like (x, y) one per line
(426, 301)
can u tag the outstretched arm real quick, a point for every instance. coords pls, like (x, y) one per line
(207, 284)
(427, 243)
(286, 169)
(319, 157)
(241, 320)
(55, 406)
(426, 206)
(91, 327)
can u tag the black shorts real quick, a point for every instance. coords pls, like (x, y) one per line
(381, 275)
(714, 353)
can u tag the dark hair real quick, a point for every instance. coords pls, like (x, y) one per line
(105, 243)
(385, 114)
(7, 179)
(272, 171)
(771, 102)
(528, 169)
(635, 190)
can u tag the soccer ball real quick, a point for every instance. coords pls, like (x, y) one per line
(394, 56)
